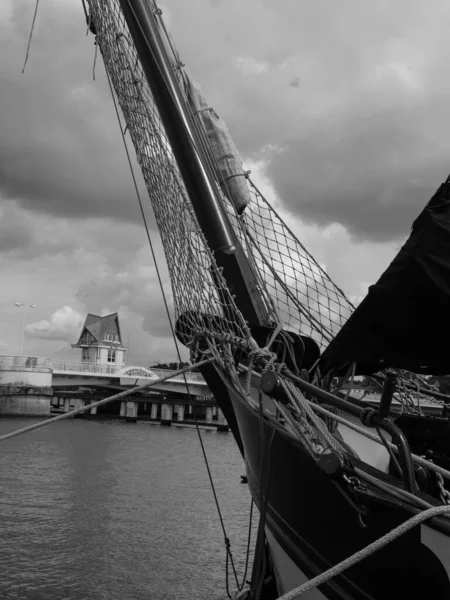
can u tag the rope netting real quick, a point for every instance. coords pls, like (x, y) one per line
(306, 299)
(297, 291)
(197, 284)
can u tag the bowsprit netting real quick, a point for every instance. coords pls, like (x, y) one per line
(197, 284)
(305, 297)
(298, 293)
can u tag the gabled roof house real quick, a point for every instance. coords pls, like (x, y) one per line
(101, 341)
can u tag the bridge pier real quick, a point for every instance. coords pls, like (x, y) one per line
(209, 414)
(123, 409)
(180, 412)
(222, 424)
(93, 411)
(154, 412)
(131, 412)
(79, 403)
(166, 414)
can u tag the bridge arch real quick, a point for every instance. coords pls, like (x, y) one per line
(132, 371)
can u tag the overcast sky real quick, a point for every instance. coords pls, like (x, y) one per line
(340, 108)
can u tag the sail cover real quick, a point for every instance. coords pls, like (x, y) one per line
(404, 321)
(226, 156)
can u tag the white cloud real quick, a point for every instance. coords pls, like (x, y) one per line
(400, 73)
(250, 66)
(63, 325)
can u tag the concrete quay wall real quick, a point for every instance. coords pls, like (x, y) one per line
(25, 401)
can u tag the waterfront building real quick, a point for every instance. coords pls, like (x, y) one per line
(100, 341)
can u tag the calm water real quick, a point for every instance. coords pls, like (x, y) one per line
(109, 510)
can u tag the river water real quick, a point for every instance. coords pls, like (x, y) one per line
(103, 510)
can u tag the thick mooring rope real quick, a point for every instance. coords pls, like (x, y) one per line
(118, 396)
(365, 552)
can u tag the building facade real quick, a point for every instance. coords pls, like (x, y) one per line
(100, 341)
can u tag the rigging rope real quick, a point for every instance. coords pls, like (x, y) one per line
(31, 35)
(118, 396)
(144, 219)
(170, 204)
(365, 552)
(249, 538)
(229, 555)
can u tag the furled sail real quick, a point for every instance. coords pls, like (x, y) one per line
(404, 321)
(225, 157)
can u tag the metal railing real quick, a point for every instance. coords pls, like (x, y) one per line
(39, 363)
(18, 363)
(84, 367)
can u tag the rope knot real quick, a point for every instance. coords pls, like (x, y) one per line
(279, 367)
(263, 355)
(367, 416)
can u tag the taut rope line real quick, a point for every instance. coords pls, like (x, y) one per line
(365, 552)
(118, 396)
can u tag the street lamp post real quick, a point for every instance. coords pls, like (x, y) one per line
(19, 304)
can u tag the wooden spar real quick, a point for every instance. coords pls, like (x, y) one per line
(187, 149)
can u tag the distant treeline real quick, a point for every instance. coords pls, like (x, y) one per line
(172, 366)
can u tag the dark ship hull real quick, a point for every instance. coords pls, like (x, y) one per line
(312, 525)
(313, 517)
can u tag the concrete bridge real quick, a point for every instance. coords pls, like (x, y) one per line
(35, 371)
(109, 376)
(29, 385)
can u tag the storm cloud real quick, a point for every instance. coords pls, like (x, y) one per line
(60, 151)
(340, 108)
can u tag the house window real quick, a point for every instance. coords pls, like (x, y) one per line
(110, 337)
(111, 356)
(85, 354)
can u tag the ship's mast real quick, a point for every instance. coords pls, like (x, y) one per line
(194, 168)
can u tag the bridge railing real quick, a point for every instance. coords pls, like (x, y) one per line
(18, 363)
(191, 375)
(38, 363)
(84, 367)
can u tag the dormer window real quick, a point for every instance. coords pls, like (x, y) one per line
(109, 337)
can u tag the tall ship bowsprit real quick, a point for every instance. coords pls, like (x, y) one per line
(353, 498)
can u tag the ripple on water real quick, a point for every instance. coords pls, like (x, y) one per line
(107, 510)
